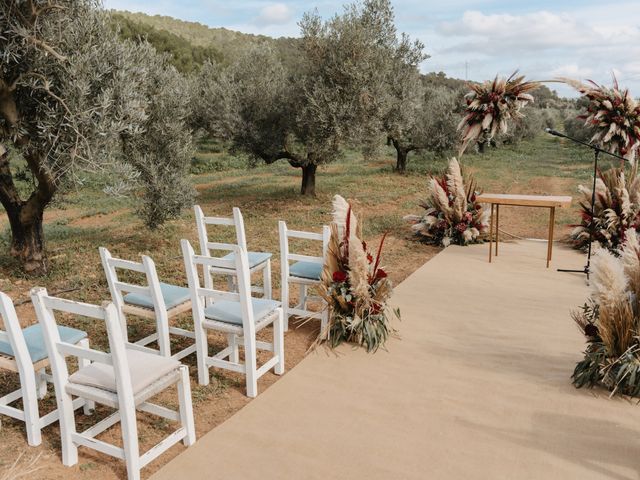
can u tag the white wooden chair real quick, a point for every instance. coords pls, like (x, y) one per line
(306, 271)
(235, 313)
(24, 352)
(156, 301)
(123, 379)
(258, 261)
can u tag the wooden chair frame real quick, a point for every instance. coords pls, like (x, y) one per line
(206, 247)
(286, 256)
(159, 312)
(33, 378)
(244, 335)
(124, 400)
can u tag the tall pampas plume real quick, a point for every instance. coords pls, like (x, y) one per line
(342, 211)
(608, 280)
(455, 183)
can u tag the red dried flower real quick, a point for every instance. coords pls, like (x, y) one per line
(369, 258)
(380, 273)
(461, 227)
(339, 276)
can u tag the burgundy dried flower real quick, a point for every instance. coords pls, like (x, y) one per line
(339, 276)
(591, 330)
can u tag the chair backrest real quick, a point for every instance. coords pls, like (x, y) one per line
(46, 308)
(12, 334)
(285, 253)
(236, 221)
(200, 295)
(119, 288)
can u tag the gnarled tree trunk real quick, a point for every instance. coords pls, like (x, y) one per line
(309, 180)
(402, 152)
(25, 217)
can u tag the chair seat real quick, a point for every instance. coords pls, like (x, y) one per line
(308, 270)
(144, 368)
(173, 296)
(255, 258)
(230, 312)
(34, 339)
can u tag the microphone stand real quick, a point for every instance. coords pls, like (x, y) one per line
(596, 153)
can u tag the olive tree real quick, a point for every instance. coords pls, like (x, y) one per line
(333, 93)
(69, 98)
(427, 122)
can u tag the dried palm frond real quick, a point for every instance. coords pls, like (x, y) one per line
(490, 106)
(452, 214)
(613, 113)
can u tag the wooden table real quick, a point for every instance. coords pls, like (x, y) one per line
(542, 201)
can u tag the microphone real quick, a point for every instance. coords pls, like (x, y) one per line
(555, 133)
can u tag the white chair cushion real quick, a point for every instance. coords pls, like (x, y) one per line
(144, 368)
(230, 312)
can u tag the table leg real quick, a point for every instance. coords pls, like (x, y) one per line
(497, 226)
(491, 233)
(552, 214)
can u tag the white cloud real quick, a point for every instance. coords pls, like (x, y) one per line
(274, 14)
(542, 44)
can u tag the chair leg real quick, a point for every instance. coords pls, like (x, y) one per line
(67, 428)
(30, 408)
(89, 405)
(164, 341)
(186, 407)
(303, 296)
(278, 343)
(202, 352)
(266, 280)
(130, 441)
(231, 284)
(232, 340)
(284, 299)
(41, 380)
(250, 365)
(324, 322)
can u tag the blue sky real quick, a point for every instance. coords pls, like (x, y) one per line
(543, 39)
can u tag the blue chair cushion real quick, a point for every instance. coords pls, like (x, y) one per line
(35, 341)
(255, 258)
(230, 312)
(172, 294)
(309, 270)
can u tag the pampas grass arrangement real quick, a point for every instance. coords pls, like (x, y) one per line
(354, 285)
(616, 209)
(490, 106)
(614, 114)
(452, 214)
(610, 321)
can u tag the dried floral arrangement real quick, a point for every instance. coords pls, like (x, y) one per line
(452, 214)
(610, 321)
(490, 106)
(616, 209)
(614, 114)
(354, 285)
